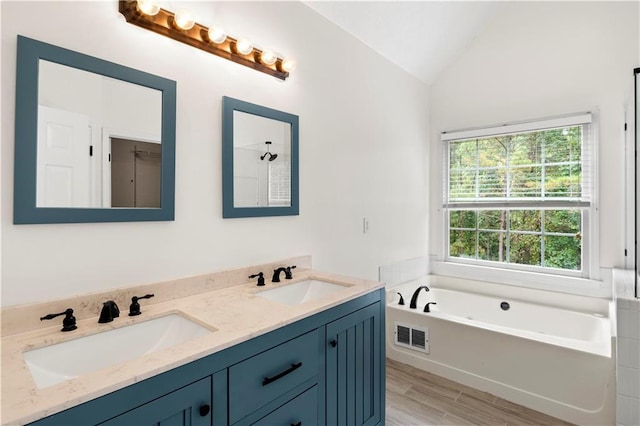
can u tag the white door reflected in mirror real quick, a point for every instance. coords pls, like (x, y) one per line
(261, 161)
(81, 115)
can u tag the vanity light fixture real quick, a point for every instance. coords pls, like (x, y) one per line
(288, 65)
(267, 57)
(181, 26)
(217, 35)
(184, 20)
(148, 7)
(242, 46)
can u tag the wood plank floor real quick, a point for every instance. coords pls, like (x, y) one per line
(416, 397)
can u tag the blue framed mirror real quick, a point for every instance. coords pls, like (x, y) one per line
(94, 140)
(259, 161)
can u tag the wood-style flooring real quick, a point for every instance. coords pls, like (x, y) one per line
(416, 397)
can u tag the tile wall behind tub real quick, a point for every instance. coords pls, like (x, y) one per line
(628, 363)
(404, 271)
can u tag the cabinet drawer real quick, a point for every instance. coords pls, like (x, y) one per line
(264, 377)
(301, 410)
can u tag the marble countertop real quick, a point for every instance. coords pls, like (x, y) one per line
(235, 313)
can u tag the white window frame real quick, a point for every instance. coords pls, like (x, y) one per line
(590, 256)
(279, 175)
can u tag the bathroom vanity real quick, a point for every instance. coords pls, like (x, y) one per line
(322, 362)
(325, 369)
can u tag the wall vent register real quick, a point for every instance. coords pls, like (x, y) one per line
(412, 337)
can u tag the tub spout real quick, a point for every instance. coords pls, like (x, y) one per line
(414, 298)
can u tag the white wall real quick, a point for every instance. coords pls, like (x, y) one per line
(539, 59)
(363, 141)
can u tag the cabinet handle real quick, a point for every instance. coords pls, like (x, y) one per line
(296, 424)
(293, 368)
(204, 410)
(333, 343)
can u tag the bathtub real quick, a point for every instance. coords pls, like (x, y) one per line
(547, 351)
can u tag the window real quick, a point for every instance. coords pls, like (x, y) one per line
(520, 196)
(280, 183)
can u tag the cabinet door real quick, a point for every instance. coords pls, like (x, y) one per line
(188, 406)
(354, 369)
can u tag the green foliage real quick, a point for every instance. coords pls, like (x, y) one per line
(543, 164)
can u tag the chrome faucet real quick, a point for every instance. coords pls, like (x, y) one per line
(414, 298)
(109, 311)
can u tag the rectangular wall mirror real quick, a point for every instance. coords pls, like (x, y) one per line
(94, 140)
(259, 160)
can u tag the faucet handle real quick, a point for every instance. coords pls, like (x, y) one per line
(287, 272)
(134, 308)
(260, 277)
(426, 307)
(69, 322)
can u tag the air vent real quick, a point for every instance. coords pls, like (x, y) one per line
(418, 339)
(412, 337)
(403, 335)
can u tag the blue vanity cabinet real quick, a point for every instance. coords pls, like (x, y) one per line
(326, 369)
(355, 374)
(189, 406)
(184, 396)
(301, 410)
(279, 371)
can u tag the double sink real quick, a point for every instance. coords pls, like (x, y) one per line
(57, 363)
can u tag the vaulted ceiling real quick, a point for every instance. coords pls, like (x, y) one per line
(422, 37)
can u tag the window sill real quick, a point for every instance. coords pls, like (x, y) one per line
(535, 280)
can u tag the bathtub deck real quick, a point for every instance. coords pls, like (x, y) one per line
(416, 397)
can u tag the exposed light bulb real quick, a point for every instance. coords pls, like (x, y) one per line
(184, 19)
(244, 46)
(148, 7)
(267, 57)
(288, 65)
(217, 35)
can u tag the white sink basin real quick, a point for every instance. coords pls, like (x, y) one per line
(63, 361)
(301, 292)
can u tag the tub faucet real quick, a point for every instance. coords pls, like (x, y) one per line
(414, 298)
(109, 311)
(276, 274)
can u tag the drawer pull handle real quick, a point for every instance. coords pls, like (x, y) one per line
(333, 343)
(293, 368)
(204, 410)
(296, 424)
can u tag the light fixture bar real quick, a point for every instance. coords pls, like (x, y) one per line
(198, 36)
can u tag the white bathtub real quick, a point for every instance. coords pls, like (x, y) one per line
(548, 351)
